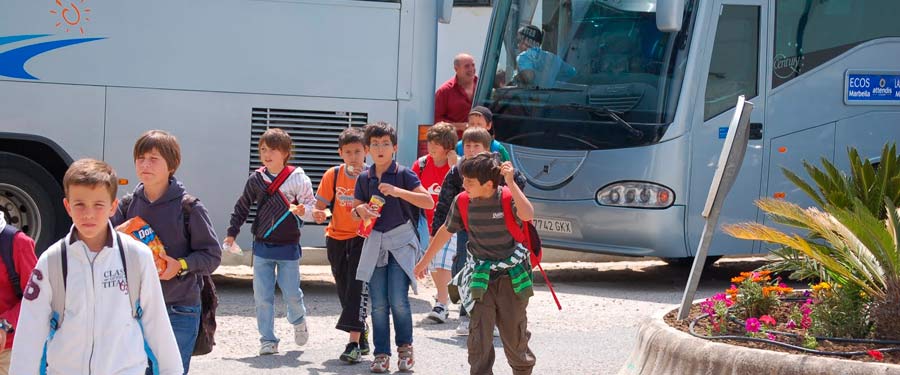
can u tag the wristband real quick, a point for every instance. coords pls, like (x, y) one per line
(184, 265)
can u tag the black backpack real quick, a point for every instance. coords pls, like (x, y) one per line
(6, 252)
(209, 300)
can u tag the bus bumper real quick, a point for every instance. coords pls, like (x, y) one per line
(611, 230)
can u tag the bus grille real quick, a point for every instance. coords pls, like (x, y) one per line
(314, 135)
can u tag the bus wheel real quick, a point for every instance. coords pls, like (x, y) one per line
(688, 262)
(31, 200)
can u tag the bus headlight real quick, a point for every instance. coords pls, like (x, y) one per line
(635, 194)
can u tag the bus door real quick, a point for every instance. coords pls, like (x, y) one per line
(736, 66)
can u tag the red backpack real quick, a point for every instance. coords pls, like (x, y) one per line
(525, 234)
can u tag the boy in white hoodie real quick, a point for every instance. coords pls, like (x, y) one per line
(99, 333)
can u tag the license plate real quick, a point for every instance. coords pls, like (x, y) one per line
(552, 225)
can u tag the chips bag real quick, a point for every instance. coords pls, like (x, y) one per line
(138, 229)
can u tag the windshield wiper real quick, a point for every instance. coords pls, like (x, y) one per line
(604, 111)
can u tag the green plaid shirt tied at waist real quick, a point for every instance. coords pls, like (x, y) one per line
(470, 284)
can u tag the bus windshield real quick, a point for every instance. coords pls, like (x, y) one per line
(582, 75)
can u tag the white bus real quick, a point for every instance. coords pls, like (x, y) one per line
(620, 155)
(84, 78)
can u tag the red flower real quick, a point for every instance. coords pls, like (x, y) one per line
(878, 356)
(767, 320)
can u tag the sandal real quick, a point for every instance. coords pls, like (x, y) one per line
(381, 364)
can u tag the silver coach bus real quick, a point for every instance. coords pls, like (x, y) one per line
(620, 154)
(84, 78)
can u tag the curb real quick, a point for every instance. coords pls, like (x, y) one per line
(662, 349)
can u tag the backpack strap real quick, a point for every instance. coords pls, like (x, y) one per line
(187, 205)
(280, 179)
(462, 203)
(6, 251)
(335, 173)
(131, 259)
(57, 270)
(125, 203)
(514, 229)
(422, 161)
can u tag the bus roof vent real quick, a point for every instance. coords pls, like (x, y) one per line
(314, 135)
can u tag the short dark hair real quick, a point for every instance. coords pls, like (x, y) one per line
(477, 135)
(277, 139)
(444, 134)
(380, 129)
(483, 167)
(350, 135)
(163, 142)
(91, 172)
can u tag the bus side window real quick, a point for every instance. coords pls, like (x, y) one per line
(734, 67)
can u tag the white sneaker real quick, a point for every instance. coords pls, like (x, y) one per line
(439, 313)
(463, 328)
(301, 333)
(268, 348)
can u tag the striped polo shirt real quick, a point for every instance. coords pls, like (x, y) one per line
(488, 237)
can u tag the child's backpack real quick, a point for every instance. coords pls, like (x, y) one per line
(209, 299)
(525, 234)
(7, 235)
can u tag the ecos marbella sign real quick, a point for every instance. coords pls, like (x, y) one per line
(871, 87)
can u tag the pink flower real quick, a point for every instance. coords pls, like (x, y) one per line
(768, 320)
(771, 336)
(752, 325)
(805, 322)
(791, 324)
(878, 356)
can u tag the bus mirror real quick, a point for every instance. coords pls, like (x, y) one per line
(669, 14)
(445, 11)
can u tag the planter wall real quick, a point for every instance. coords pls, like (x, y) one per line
(662, 349)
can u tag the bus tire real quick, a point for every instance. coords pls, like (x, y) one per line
(31, 200)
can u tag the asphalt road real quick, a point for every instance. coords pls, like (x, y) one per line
(603, 305)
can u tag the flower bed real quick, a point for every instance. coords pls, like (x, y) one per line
(761, 312)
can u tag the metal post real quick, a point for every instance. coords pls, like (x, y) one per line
(730, 161)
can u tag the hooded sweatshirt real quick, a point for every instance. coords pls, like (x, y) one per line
(166, 217)
(296, 189)
(24, 261)
(99, 334)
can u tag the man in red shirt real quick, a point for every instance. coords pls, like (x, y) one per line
(18, 249)
(453, 100)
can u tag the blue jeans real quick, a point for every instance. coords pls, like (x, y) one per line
(185, 322)
(389, 287)
(264, 278)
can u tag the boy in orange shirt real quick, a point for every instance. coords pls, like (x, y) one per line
(343, 245)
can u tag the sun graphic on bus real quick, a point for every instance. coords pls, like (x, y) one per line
(72, 16)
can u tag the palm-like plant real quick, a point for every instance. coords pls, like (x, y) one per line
(868, 183)
(848, 246)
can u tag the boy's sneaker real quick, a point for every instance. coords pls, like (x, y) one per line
(351, 353)
(268, 348)
(405, 359)
(439, 313)
(301, 333)
(364, 342)
(381, 364)
(463, 328)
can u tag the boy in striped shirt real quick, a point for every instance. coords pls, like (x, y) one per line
(500, 271)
